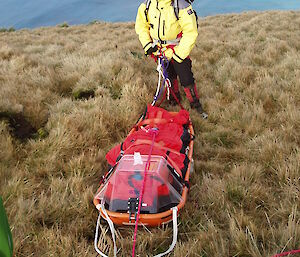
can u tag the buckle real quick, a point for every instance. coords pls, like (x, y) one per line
(133, 205)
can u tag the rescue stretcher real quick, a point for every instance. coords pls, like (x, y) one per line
(166, 182)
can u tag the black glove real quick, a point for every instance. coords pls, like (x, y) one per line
(151, 50)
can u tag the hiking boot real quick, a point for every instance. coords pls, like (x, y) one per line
(198, 108)
(193, 97)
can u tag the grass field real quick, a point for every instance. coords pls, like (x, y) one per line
(245, 190)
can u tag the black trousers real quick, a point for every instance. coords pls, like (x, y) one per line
(182, 70)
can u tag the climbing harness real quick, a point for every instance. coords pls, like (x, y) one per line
(174, 42)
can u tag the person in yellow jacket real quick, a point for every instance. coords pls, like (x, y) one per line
(171, 25)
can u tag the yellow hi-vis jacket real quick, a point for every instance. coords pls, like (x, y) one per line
(162, 24)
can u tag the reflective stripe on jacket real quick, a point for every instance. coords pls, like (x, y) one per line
(163, 25)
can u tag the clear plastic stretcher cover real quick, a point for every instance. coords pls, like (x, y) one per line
(162, 189)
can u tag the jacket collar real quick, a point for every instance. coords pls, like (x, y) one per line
(164, 2)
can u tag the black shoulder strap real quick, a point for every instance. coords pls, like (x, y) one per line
(176, 9)
(148, 2)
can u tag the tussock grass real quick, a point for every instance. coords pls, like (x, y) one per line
(245, 189)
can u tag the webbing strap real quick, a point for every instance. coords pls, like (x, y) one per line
(177, 100)
(175, 233)
(101, 207)
(162, 99)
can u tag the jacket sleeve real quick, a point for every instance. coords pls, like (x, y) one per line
(142, 28)
(187, 21)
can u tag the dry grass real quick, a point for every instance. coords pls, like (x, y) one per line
(245, 190)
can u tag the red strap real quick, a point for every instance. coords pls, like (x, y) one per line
(171, 47)
(175, 97)
(287, 253)
(162, 99)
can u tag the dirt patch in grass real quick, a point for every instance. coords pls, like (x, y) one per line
(20, 127)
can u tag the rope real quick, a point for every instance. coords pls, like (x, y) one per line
(157, 93)
(162, 67)
(160, 76)
(167, 81)
(154, 132)
(165, 65)
(287, 253)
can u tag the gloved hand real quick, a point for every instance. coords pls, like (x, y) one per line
(169, 53)
(151, 49)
